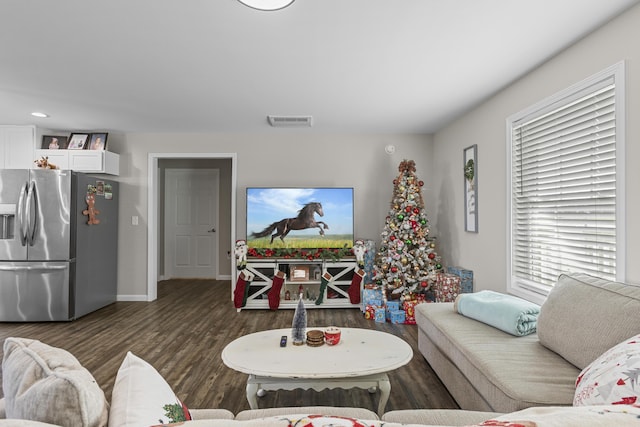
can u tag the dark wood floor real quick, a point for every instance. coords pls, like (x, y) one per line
(183, 332)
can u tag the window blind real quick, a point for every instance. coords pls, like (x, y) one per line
(564, 189)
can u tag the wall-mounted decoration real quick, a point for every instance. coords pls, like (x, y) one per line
(470, 165)
(51, 142)
(98, 141)
(78, 141)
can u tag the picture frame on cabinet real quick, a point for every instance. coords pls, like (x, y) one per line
(98, 141)
(299, 273)
(78, 141)
(470, 167)
(54, 142)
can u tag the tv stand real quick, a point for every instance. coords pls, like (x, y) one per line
(301, 274)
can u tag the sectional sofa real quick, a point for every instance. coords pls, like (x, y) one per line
(588, 330)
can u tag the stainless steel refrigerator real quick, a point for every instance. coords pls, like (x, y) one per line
(54, 266)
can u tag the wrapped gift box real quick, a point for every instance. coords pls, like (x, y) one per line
(379, 315)
(371, 296)
(370, 311)
(447, 287)
(397, 316)
(409, 307)
(369, 257)
(392, 306)
(466, 278)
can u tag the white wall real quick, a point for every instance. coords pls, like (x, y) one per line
(484, 253)
(274, 159)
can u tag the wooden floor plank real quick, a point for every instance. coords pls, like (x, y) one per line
(182, 335)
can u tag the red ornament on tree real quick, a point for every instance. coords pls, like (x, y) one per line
(420, 183)
(394, 269)
(424, 284)
(431, 255)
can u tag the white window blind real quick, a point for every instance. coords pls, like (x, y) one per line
(564, 189)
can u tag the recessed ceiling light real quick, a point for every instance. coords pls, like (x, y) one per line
(38, 114)
(267, 4)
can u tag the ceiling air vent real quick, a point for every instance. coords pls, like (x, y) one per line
(290, 121)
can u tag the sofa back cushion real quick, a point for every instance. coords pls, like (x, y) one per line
(47, 384)
(584, 316)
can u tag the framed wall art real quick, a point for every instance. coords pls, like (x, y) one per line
(470, 165)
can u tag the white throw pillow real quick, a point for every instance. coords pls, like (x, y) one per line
(141, 397)
(612, 378)
(48, 384)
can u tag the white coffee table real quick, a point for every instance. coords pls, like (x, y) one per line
(361, 360)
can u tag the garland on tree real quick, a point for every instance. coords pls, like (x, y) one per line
(406, 262)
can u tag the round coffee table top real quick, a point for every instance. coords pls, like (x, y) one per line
(360, 352)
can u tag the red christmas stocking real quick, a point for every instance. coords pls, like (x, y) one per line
(354, 288)
(326, 278)
(241, 290)
(274, 292)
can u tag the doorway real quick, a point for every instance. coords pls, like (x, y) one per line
(155, 235)
(190, 223)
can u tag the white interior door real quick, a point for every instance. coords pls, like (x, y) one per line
(191, 223)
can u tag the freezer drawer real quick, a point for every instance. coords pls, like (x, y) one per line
(34, 291)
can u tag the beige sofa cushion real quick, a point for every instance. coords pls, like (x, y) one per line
(584, 316)
(47, 384)
(360, 413)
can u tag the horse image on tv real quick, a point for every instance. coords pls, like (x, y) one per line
(305, 219)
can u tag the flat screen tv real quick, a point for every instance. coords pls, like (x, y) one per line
(305, 218)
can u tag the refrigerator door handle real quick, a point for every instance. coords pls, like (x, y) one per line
(22, 220)
(30, 268)
(31, 227)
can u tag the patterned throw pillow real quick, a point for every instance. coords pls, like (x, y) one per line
(612, 378)
(142, 397)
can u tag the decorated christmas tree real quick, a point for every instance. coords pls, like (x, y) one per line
(406, 262)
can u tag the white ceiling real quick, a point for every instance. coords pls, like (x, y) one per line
(365, 66)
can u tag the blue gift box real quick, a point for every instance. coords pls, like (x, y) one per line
(397, 316)
(371, 297)
(379, 315)
(393, 305)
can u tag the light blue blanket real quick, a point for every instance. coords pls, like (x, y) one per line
(508, 313)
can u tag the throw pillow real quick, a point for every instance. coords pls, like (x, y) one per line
(141, 396)
(612, 378)
(48, 384)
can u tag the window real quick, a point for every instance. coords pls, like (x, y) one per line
(566, 201)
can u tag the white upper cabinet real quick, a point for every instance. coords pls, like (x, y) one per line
(94, 161)
(17, 147)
